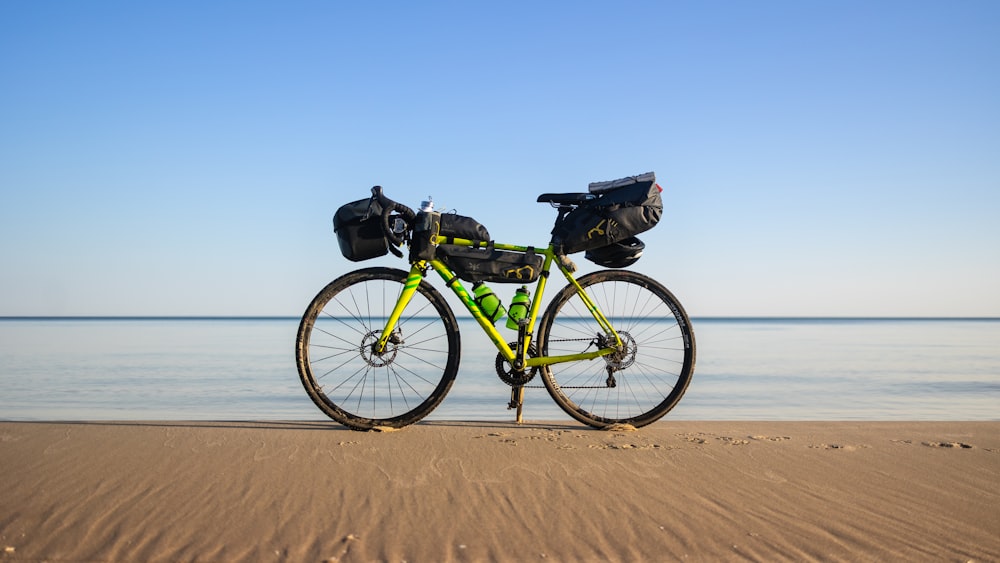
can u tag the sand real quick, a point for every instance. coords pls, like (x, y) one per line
(441, 491)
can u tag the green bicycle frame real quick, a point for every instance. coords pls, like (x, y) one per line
(416, 275)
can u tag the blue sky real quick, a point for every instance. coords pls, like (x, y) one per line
(185, 158)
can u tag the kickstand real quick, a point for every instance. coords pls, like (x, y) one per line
(517, 401)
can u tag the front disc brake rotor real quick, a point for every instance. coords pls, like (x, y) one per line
(368, 350)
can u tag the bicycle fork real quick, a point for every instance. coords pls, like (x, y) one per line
(390, 332)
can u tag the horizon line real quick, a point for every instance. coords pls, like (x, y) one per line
(288, 317)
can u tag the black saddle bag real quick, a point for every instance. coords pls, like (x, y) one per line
(490, 265)
(359, 230)
(622, 209)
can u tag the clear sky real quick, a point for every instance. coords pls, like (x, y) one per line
(185, 158)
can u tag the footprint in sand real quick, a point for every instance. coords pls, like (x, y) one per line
(730, 441)
(841, 447)
(624, 446)
(494, 435)
(956, 445)
(695, 438)
(772, 438)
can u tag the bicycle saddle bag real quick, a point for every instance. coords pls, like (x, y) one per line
(490, 265)
(623, 208)
(358, 226)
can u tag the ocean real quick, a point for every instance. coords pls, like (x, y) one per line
(747, 369)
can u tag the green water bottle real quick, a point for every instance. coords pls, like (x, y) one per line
(488, 302)
(518, 307)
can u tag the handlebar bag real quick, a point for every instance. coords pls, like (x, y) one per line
(622, 209)
(359, 230)
(491, 265)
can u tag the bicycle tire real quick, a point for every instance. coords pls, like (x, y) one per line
(351, 384)
(650, 375)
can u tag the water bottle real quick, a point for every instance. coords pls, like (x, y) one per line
(518, 307)
(488, 302)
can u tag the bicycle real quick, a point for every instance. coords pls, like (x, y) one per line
(380, 347)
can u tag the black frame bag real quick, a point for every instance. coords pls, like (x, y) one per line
(491, 265)
(623, 209)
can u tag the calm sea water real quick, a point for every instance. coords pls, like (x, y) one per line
(244, 369)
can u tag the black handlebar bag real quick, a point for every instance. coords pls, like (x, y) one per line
(622, 209)
(359, 230)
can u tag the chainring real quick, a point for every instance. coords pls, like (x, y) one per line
(515, 378)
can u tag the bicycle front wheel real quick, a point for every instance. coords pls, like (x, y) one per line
(362, 389)
(636, 385)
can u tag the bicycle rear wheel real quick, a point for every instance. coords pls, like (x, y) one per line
(640, 383)
(364, 390)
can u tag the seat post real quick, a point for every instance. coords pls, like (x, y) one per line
(562, 211)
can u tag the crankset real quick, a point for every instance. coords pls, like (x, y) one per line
(509, 375)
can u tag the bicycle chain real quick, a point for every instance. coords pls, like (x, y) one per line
(533, 371)
(591, 340)
(520, 379)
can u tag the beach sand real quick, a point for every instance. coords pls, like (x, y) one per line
(471, 491)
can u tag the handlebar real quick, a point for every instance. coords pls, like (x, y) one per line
(388, 208)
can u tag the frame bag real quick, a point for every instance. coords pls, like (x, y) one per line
(622, 209)
(491, 265)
